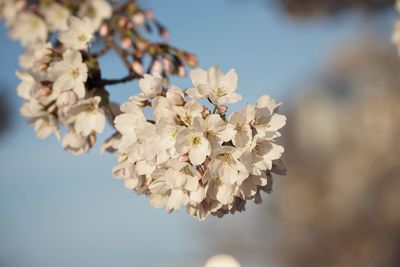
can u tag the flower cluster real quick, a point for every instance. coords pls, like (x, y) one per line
(61, 79)
(190, 155)
(34, 22)
(53, 85)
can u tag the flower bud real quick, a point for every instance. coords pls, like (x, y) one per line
(126, 42)
(181, 71)
(122, 21)
(149, 14)
(191, 59)
(137, 67)
(138, 19)
(167, 64)
(205, 113)
(104, 30)
(223, 109)
(156, 67)
(91, 139)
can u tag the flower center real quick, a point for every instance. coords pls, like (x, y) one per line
(173, 131)
(239, 127)
(82, 37)
(227, 158)
(75, 73)
(92, 108)
(195, 140)
(220, 91)
(186, 118)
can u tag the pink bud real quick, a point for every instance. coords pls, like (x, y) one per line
(91, 139)
(167, 63)
(223, 109)
(126, 43)
(206, 112)
(137, 67)
(149, 14)
(122, 21)
(138, 19)
(104, 30)
(191, 59)
(156, 67)
(181, 71)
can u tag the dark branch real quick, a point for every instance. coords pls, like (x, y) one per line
(129, 77)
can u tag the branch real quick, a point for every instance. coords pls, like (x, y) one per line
(102, 51)
(129, 77)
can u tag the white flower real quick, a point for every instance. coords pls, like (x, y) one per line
(35, 57)
(96, 11)
(173, 184)
(241, 125)
(189, 111)
(70, 73)
(111, 144)
(66, 100)
(160, 144)
(226, 165)
(32, 109)
(87, 116)
(28, 28)
(259, 155)
(46, 125)
(127, 172)
(195, 143)
(163, 109)
(151, 85)
(131, 119)
(56, 16)
(79, 33)
(215, 129)
(26, 86)
(215, 85)
(266, 120)
(250, 186)
(9, 10)
(175, 96)
(74, 142)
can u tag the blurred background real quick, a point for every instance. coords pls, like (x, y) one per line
(332, 65)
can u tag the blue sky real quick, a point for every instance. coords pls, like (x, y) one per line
(60, 210)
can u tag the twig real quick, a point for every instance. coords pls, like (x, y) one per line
(102, 51)
(129, 77)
